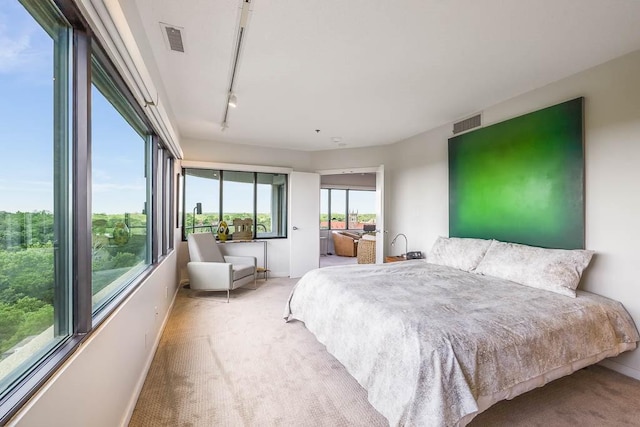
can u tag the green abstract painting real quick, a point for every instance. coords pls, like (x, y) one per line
(521, 180)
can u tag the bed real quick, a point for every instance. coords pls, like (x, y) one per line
(435, 344)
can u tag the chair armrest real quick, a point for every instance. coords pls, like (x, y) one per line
(236, 259)
(210, 275)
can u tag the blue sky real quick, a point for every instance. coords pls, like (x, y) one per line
(26, 96)
(26, 133)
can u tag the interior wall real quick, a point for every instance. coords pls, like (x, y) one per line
(417, 181)
(350, 158)
(99, 385)
(218, 152)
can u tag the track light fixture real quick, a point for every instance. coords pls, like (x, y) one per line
(233, 101)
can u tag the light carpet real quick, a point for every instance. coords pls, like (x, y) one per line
(240, 364)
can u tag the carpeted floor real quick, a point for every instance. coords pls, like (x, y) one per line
(240, 364)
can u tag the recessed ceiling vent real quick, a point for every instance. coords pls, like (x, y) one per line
(466, 124)
(173, 37)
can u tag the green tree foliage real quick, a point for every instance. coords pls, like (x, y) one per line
(26, 317)
(27, 267)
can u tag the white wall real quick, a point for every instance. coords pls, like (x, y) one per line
(218, 152)
(417, 187)
(277, 263)
(98, 386)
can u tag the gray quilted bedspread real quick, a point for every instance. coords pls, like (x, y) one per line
(428, 341)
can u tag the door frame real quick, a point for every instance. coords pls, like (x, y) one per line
(381, 233)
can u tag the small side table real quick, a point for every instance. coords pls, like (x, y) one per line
(394, 258)
(264, 272)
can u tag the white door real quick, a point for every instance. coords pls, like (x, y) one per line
(381, 233)
(304, 223)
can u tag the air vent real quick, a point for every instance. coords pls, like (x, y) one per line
(466, 124)
(174, 37)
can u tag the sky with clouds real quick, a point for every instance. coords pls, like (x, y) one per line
(26, 131)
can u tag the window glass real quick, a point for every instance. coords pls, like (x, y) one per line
(34, 187)
(338, 209)
(237, 197)
(159, 197)
(270, 205)
(169, 222)
(120, 214)
(260, 197)
(202, 201)
(362, 208)
(324, 208)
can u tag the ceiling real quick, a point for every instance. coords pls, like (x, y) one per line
(367, 72)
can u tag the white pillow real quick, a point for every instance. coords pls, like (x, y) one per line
(556, 270)
(457, 252)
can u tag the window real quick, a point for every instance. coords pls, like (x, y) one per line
(201, 201)
(271, 202)
(120, 146)
(237, 197)
(169, 201)
(71, 250)
(347, 209)
(324, 208)
(35, 286)
(362, 208)
(211, 196)
(338, 209)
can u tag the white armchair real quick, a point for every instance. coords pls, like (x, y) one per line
(210, 271)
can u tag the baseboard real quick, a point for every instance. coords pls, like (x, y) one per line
(143, 376)
(619, 367)
(276, 274)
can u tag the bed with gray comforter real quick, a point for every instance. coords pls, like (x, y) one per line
(434, 345)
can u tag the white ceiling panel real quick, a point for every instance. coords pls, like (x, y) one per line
(370, 72)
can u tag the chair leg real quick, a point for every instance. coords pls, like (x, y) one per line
(255, 282)
(227, 296)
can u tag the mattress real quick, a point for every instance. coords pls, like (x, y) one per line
(434, 345)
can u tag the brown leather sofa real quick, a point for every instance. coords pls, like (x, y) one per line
(345, 243)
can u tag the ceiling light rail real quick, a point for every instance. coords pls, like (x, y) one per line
(232, 100)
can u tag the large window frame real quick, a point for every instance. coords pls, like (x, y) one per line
(74, 268)
(281, 216)
(347, 220)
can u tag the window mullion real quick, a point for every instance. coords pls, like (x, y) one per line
(171, 183)
(329, 206)
(220, 206)
(153, 202)
(346, 204)
(165, 201)
(82, 252)
(255, 205)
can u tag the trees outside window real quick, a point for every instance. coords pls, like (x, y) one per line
(347, 209)
(225, 195)
(34, 211)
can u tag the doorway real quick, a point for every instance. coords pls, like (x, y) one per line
(351, 206)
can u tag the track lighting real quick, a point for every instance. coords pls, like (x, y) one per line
(233, 101)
